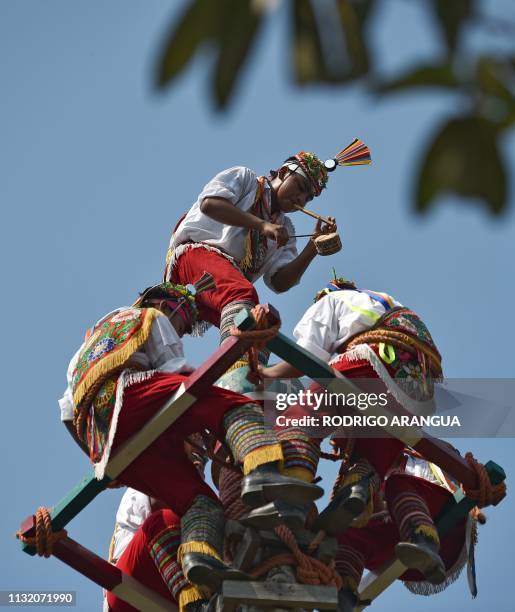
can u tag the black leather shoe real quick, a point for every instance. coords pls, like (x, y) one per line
(348, 504)
(205, 570)
(266, 484)
(422, 553)
(347, 600)
(202, 605)
(277, 513)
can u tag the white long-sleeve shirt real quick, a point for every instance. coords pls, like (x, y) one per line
(162, 351)
(336, 317)
(237, 185)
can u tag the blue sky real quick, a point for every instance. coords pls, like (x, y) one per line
(97, 169)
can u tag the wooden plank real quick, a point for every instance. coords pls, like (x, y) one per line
(375, 582)
(68, 507)
(197, 383)
(433, 449)
(278, 595)
(110, 577)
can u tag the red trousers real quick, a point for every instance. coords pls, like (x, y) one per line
(377, 540)
(163, 470)
(380, 452)
(231, 285)
(138, 563)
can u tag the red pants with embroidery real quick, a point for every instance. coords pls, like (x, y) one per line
(231, 285)
(380, 452)
(163, 470)
(138, 561)
(376, 541)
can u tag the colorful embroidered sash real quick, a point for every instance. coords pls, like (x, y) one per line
(256, 243)
(108, 350)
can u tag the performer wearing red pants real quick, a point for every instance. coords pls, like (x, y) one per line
(374, 338)
(122, 375)
(238, 231)
(415, 494)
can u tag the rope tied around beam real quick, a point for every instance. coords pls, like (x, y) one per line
(45, 538)
(487, 494)
(259, 336)
(308, 569)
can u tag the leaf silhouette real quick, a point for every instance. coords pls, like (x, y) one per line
(424, 76)
(237, 32)
(451, 16)
(464, 159)
(194, 27)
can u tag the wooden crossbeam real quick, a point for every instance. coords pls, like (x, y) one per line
(431, 448)
(377, 581)
(276, 595)
(196, 384)
(110, 577)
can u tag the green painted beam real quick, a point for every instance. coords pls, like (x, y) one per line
(89, 487)
(458, 507)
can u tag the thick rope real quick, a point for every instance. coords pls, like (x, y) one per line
(308, 569)
(259, 336)
(45, 538)
(487, 494)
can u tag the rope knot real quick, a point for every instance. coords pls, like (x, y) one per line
(45, 538)
(487, 494)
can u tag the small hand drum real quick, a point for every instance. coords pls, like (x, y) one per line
(328, 244)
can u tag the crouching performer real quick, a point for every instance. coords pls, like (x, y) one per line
(415, 493)
(365, 335)
(132, 362)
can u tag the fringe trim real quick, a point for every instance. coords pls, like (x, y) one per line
(126, 379)
(364, 351)
(429, 532)
(260, 456)
(188, 595)
(196, 546)
(110, 363)
(451, 575)
(298, 472)
(241, 363)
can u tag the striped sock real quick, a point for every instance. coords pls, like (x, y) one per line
(228, 314)
(163, 552)
(301, 453)
(411, 515)
(350, 564)
(250, 441)
(202, 528)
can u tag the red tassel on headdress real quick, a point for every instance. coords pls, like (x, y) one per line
(355, 154)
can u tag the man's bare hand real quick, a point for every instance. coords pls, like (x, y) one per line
(322, 228)
(275, 232)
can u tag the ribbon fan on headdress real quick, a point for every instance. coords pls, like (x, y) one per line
(355, 154)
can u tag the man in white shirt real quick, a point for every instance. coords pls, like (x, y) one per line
(132, 362)
(238, 231)
(366, 335)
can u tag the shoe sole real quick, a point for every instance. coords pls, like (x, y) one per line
(336, 522)
(413, 557)
(274, 519)
(203, 576)
(259, 495)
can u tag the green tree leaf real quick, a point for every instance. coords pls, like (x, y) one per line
(464, 159)
(496, 82)
(194, 27)
(451, 16)
(237, 32)
(424, 76)
(330, 46)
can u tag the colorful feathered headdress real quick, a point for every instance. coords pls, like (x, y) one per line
(183, 295)
(335, 284)
(316, 171)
